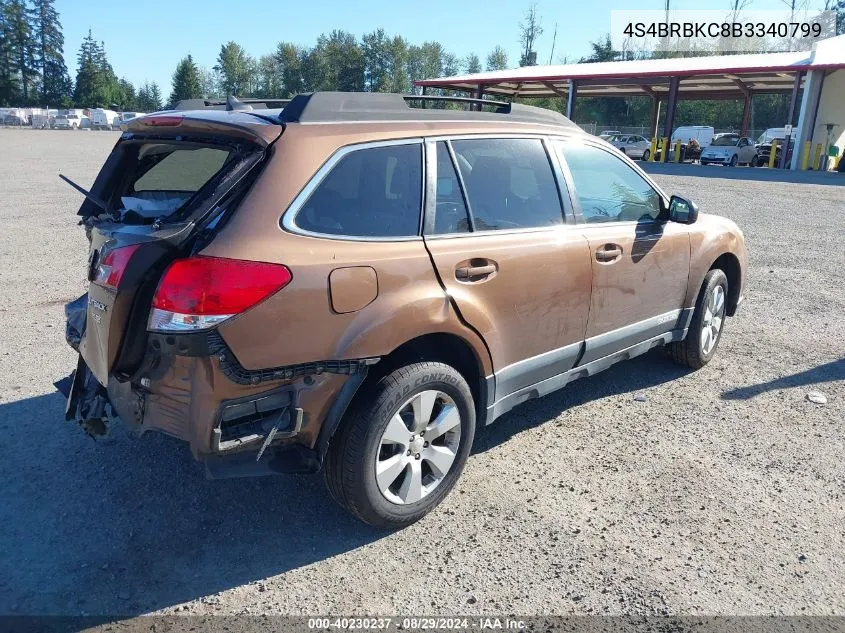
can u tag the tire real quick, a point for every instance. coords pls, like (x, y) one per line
(646, 154)
(696, 350)
(365, 439)
(755, 161)
(734, 161)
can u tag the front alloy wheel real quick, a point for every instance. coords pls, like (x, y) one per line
(714, 316)
(708, 320)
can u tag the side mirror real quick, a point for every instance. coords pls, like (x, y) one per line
(682, 210)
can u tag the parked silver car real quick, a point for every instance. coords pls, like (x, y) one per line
(632, 145)
(731, 150)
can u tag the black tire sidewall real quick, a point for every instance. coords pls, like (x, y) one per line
(384, 401)
(714, 278)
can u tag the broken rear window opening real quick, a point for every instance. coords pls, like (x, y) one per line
(159, 179)
(156, 180)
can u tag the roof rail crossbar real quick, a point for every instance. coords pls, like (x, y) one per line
(328, 107)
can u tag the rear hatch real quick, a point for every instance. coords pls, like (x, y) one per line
(169, 182)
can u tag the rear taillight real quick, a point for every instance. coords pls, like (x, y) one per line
(200, 292)
(112, 265)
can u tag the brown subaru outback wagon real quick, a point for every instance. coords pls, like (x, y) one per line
(353, 282)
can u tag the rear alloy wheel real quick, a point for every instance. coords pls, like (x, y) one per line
(402, 445)
(734, 161)
(708, 321)
(646, 154)
(755, 161)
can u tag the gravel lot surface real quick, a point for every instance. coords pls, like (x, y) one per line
(720, 493)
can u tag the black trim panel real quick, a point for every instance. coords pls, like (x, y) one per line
(608, 343)
(535, 369)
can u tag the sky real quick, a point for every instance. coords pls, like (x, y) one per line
(145, 41)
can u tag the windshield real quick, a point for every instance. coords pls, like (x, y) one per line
(725, 141)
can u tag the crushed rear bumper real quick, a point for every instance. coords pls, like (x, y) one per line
(237, 421)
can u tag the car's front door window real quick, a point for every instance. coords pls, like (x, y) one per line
(607, 189)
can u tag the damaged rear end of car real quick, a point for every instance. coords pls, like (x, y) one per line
(148, 350)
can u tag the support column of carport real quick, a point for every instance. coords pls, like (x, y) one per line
(479, 94)
(671, 106)
(804, 129)
(570, 99)
(746, 107)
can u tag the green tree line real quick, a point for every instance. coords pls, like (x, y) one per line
(339, 60)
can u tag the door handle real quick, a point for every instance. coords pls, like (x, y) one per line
(608, 253)
(474, 273)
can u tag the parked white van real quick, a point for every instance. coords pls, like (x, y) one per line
(701, 133)
(104, 119)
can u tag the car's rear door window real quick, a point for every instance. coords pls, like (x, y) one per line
(509, 183)
(369, 192)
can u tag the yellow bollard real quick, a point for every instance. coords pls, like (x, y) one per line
(773, 153)
(836, 160)
(653, 149)
(805, 156)
(664, 153)
(677, 151)
(817, 159)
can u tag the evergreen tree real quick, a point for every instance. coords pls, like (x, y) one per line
(87, 74)
(96, 83)
(55, 81)
(156, 101)
(9, 83)
(149, 98)
(186, 81)
(128, 99)
(21, 46)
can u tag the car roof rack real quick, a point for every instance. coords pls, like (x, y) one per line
(231, 103)
(330, 107)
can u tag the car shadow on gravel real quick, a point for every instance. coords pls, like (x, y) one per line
(126, 526)
(633, 376)
(834, 370)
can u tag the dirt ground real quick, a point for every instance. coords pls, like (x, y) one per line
(717, 492)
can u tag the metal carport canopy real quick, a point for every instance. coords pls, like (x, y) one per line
(715, 77)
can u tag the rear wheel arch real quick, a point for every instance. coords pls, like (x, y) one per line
(442, 347)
